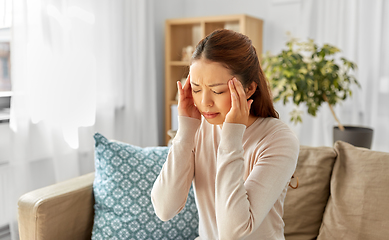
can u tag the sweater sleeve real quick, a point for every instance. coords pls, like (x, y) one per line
(171, 188)
(241, 206)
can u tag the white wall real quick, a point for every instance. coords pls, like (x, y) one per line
(5, 144)
(279, 16)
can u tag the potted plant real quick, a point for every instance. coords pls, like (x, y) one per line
(312, 75)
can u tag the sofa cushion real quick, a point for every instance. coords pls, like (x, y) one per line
(358, 207)
(123, 180)
(304, 206)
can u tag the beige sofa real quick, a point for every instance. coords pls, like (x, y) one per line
(343, 194)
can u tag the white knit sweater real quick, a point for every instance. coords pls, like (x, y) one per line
(240, 177)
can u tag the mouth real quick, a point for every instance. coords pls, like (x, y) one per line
(210, 115)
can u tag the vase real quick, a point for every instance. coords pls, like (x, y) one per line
(357, 136)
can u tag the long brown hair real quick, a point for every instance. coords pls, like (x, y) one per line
(236, 52)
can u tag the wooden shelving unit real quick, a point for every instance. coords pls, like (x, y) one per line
(183, 32)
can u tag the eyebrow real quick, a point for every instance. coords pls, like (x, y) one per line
(211, 85)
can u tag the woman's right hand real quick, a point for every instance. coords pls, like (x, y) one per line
(186, 106)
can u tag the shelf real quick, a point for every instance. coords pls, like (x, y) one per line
(179, 63)
(5, 94)
(4, 115)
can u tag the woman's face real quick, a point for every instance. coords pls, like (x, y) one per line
(211, 95)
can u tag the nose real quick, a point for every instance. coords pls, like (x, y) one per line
(206, 99)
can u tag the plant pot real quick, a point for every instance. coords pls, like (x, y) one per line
(357, 136)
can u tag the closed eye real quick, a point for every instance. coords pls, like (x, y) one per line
(197, 91)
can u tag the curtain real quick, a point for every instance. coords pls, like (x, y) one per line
(361, 30)
(78, 67)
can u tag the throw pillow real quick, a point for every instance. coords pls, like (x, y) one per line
(304, 206)
(123, 181)
(358, 207)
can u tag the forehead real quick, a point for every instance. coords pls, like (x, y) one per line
(208, 72)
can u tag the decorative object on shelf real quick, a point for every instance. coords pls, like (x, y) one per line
(234, 26)
(187, 53)
(174, 113)
(310, 74)
(172, 134)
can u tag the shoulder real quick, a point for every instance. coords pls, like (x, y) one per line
(278, 128)
(271, 128)
(271, 135)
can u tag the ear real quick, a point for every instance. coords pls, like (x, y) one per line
(250, 90)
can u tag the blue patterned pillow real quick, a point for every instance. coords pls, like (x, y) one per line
(124, 177)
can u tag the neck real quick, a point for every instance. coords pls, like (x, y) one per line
(251, 120)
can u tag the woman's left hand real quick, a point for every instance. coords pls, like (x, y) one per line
(240, 107)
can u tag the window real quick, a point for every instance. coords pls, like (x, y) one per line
(5, 75)
(5, 59)
(5, 13)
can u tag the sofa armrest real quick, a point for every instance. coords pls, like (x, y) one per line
(60, 211)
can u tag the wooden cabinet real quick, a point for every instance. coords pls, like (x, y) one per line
(184, 32)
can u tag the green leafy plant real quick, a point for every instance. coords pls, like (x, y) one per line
(307, 73)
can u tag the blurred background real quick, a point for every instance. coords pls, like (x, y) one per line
(70, 68)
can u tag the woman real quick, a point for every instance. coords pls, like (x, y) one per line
(239, 155)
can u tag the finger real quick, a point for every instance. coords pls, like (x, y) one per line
(249, 103)
(187, 83)
(180, 91)
(234, 96)
(179, 85)
(241, 93)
